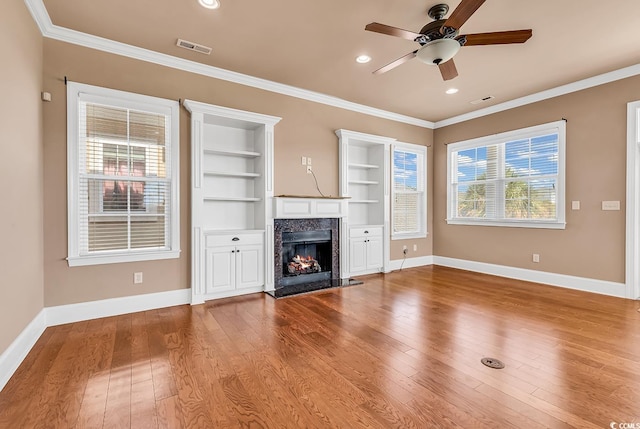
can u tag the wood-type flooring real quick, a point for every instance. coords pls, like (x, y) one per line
(402, 350)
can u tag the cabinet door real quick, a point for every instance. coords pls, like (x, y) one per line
(357, 255)
(220, 269)
(249, 266)
(375, 254)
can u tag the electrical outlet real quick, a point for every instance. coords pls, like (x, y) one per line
(308, 169)
(308, 160)
(536, 258)
(304, 160)
(137, 278)
(415, 247)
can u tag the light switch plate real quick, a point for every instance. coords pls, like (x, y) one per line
(575, 205)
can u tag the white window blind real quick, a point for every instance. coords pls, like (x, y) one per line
(123, 176)
(510, 179)
(409, 206)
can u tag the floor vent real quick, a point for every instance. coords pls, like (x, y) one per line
(492, 363)
(194, 47)
(483, 99)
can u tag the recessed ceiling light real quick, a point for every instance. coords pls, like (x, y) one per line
(363, 59)
(210, 4)
(451, 90)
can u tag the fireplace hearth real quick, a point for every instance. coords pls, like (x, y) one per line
(307, 255)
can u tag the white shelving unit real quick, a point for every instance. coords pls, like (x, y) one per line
(364, 178)
(231, 190)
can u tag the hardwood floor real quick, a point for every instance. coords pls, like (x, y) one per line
(402, 350)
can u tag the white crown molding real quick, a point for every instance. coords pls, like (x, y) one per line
(42, 19)
(13, 356)
(40, 15)
(544, 95)
(601, 287)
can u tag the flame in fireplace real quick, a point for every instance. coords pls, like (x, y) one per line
(303, 265)
(304, 261)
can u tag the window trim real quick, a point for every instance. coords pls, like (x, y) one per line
(421, 151)
(77, 92)
(501, 138)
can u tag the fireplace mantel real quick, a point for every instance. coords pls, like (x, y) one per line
(302, 207)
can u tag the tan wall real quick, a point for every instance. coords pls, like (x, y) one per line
(307, 129)
(593, 243)
(21, 293)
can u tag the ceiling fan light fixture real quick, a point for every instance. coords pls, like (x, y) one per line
(209, 4)
(438, 51)
(362, 59)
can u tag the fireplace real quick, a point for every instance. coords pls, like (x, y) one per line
(306, 254)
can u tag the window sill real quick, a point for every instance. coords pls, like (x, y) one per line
(408, 236)
(79, 261)
(509, 224)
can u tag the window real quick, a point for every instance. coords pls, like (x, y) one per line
(509, 179)
(122, 172)
(409, 197)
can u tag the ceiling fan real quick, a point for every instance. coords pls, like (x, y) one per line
(440, 41)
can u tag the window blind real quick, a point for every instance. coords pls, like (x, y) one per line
(408, 191)
(124, 176)
(512, 177)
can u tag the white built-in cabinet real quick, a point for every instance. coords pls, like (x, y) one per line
(231, 193)
(364, 178)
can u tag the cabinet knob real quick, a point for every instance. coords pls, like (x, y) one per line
(233, 251)
(366, 232)
(235, 239)
(238, 251)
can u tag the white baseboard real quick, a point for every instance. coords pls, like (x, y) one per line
(602, 287)
(70, 313)
(52, 316)
(420, 261)
(13, 356)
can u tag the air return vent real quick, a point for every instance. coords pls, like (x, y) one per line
(483, 99)
(194, 47)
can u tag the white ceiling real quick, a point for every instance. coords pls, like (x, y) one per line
(313, 45)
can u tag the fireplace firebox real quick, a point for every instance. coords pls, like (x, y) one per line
(306, 255)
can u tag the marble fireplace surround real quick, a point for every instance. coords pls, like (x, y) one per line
(300, 213)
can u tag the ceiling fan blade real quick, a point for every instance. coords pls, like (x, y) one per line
(462, 13)
(396, 63)
(448, 70)
(498, 37)
(391, 31)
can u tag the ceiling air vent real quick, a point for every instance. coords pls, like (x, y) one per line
(194, 47)
(483, 99)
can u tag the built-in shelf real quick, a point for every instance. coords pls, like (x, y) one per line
(365, 166)
(364, 176)
(231, 174)
(239, 199)
(241, 153)
(364, 182)
(231, 188)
